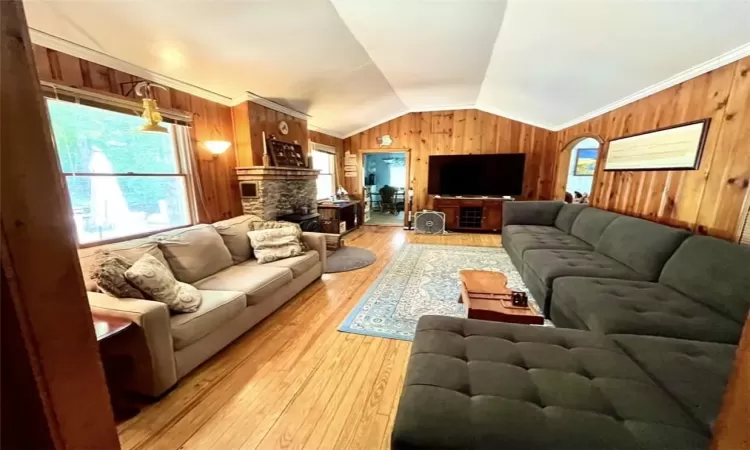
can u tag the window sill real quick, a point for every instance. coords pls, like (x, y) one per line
(129, 237)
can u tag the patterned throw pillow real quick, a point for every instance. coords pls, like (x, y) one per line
(273, 224)
(274, 244)
(108, 272)
(155, 279)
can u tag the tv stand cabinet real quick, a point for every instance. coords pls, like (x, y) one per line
(471, 214)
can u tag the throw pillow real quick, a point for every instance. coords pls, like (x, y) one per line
(274, 244)
(108, 273)
(155, 279)
(273, 224)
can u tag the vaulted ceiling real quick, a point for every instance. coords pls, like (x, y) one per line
(351, 64)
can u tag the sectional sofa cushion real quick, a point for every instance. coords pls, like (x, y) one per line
(531, 229)
(234, 234)
(548, 265)
(636, 307)
(713, 272)
(591, 223)
(538, 213)
(474, 384)
(258, 282)
(217, 308)
(692, 372)
(567, 215)
(639, 244)
(530, 241)
(194, 253)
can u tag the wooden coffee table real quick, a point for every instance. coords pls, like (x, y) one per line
(487, 297)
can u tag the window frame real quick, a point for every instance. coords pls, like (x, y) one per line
(181, 145)
(331, 153)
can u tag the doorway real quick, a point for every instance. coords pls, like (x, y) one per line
(583, 159)
(386, 183)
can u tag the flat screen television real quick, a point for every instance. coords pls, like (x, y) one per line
(480, 175)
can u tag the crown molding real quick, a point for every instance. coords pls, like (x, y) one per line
(513, 117)
(255, 98)
(697, 70)
(486, 109)
(326, 131)
(79, 51)
(379, 122)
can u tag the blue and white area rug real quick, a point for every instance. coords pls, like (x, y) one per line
(423, 279)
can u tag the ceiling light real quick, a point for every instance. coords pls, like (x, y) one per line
(217, 147)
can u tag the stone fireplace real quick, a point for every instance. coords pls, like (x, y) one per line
(280, 190)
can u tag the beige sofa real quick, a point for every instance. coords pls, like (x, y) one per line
(237, 294)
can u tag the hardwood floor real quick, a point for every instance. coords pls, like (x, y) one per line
(294, 381)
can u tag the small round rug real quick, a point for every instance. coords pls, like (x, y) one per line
(345, 259)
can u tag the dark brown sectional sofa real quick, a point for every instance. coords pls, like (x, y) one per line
(648, 318)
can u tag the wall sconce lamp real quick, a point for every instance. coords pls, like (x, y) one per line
(217, 147)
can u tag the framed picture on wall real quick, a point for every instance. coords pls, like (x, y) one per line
(673, 148)
(585, 162)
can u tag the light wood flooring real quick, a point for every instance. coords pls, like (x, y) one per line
(294, 381)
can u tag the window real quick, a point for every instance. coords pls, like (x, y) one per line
(398, 176)
(121, 181)
(326, 163)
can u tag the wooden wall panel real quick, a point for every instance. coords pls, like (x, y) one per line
(707, 200)
(263, 119)
(210, 121)
(460, 132)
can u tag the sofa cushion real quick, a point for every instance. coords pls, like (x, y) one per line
(194, 253)
(474, 384)
(713, 272)
(531, 229)
(551, 264)
(694, 373)
(591, 223)
(637, 307)
(257, 281)
(528, 241)
(567, 215)
(234, 234)
(297, 264)
(639, 244)
(531, 213)
(217, 308)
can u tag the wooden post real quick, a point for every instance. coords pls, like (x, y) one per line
(732, 429)
(54, 392)
(266, 160)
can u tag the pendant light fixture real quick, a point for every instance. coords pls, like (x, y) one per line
(150, 109)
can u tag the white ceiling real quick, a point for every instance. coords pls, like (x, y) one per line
(352, 64)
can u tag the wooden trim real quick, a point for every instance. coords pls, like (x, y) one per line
(130, 237)
(731, 431)
(698, 154)
(108, 101)
(407, 184)
(42, 283)
(563, 166)
(122, 174)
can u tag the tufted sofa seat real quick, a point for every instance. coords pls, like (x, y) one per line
(473, 384)
(636, 307)
(542, 267)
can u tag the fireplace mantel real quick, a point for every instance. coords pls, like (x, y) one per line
(262, 173)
